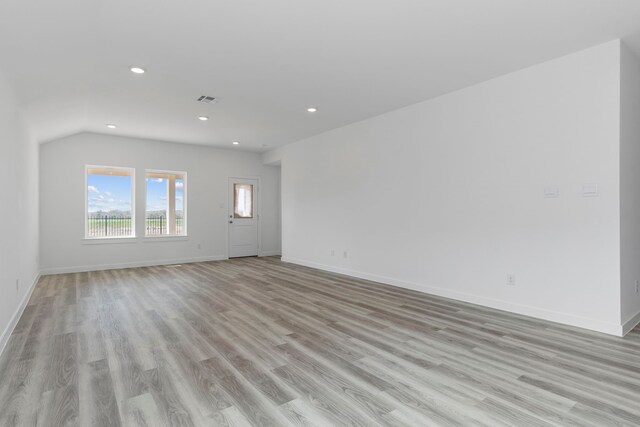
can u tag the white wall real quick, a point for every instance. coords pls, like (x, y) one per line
(630, 186)
(19, 211)
(62, 164)
(446, 196)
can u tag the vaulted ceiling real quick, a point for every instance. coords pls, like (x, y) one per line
(267, 61)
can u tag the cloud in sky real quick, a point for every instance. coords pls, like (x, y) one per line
(103, 202)
(156, 208)
(179, 184)
(117, 198)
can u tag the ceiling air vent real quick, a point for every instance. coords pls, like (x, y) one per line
(207, 99)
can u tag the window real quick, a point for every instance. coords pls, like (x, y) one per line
(110, 202)
(242, 201)
(165, 213)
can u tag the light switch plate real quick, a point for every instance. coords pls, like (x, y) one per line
(590, 190)
(551, 191)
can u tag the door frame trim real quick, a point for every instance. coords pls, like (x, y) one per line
(258, 210)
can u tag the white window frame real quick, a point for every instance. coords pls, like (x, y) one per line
(184, 203)
(132, 173)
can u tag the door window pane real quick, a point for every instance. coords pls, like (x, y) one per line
(242, 201)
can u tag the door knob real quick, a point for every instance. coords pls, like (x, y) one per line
(230, 222)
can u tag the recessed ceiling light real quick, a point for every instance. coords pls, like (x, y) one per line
(137, 70)
(312, 109)
(203, 118)
(111, 126)
(235, 143)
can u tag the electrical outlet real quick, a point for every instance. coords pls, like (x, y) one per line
(344, 255)
(333, 252)
(511, 279)
(636, 286)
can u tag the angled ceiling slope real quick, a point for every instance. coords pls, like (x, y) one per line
(267, 62)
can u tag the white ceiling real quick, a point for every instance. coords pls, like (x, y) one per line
(268, 60)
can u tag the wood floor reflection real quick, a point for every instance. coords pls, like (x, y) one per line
(255, 341)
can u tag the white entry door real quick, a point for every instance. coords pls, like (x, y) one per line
(243, 217)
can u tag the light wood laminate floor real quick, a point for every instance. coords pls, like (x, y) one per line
(256, 341)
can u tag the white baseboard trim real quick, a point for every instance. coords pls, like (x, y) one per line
(630, 324)
(553, 316)
(270, 253)
(98, 267)
(4, 338)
